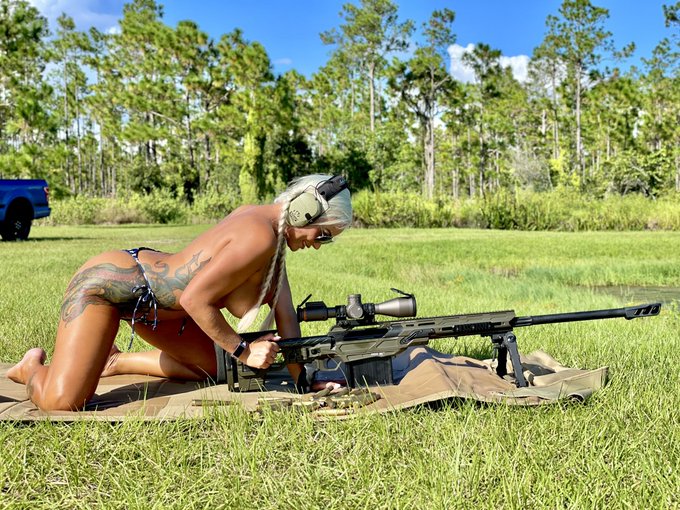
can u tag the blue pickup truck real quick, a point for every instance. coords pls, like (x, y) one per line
(21, 202)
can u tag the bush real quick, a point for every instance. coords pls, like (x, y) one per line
(158, 207)
(155, 207)
(161, 207)
(76, 211)
(120, 211)
(400, 209)
(212, 206)
(562, 209)
(524, 210)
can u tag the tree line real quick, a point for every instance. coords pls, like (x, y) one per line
(154, 107)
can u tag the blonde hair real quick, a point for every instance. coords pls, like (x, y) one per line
(338, 215)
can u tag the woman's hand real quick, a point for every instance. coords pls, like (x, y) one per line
(261, 353)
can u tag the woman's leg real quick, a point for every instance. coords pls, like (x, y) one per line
(189, 356)
(87, 327)
(80, 353)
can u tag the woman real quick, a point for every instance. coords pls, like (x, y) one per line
(174, 301)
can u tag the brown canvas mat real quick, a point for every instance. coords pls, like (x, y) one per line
(429, 377)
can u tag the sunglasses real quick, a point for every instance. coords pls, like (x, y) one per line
(324, 238)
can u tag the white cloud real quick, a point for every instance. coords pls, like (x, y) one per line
(519, 65)
(459, 70)
(103, 15)
(464, 73)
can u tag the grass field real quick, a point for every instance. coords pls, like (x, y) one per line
(620, 449)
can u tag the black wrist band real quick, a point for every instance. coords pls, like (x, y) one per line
(239, 350)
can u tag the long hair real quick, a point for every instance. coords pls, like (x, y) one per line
(338, 215)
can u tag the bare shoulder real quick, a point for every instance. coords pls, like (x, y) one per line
(248, 245)
(244, 233)
(248, 229)
(251, 229)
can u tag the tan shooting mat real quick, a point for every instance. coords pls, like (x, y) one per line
(425, 376)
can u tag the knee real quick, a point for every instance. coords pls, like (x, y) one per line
(60, 401)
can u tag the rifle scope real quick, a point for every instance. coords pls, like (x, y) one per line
(403, 306)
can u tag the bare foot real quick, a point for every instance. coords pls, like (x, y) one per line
(20, 372)
(110, 368)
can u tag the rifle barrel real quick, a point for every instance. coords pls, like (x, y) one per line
(629, 312)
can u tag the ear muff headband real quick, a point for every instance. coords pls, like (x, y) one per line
(306, 207)
(328, 189)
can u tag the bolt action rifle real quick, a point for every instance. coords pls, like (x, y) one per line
(367, 346)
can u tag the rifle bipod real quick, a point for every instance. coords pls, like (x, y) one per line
(504, 344)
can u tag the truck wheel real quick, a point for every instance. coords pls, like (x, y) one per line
(17, 225)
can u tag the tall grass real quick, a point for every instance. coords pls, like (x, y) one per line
(156, 207)
(621, 449)
(562, 210)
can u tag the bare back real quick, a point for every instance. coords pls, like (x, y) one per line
(220, 245)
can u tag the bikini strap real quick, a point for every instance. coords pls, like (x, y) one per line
(147, 296)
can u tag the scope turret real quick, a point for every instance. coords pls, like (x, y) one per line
(402, 306)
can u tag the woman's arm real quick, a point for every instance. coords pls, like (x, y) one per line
(250, 250)
(287, 324)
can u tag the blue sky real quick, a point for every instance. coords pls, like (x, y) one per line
(289, 29)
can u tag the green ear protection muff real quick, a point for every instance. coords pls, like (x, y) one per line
(311, 203)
